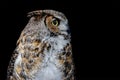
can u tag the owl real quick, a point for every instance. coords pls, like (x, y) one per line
(43, 50)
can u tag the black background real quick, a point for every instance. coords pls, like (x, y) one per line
(115, 4)
(88, 39)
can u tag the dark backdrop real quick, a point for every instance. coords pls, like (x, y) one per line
(88, 38)
(115, 4)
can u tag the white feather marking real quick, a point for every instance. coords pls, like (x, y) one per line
(59, 43)
(18, 60)
(63, 26)
(49, 73)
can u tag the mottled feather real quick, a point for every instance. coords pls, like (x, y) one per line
(43, 50)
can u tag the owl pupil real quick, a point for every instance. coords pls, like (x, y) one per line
(55, 22)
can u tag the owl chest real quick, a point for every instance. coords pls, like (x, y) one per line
(50, 67)
(49, 71)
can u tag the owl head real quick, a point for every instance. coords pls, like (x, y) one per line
(48, 22)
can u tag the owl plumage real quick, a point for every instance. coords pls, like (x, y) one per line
(43, 50)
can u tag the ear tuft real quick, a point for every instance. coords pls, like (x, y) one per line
(34, 13)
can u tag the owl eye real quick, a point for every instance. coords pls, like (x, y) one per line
(55, 22)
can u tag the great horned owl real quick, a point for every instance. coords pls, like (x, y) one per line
(43, 50)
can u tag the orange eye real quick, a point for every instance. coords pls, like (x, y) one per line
(55, 22)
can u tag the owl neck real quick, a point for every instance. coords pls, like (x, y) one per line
(57, 43)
